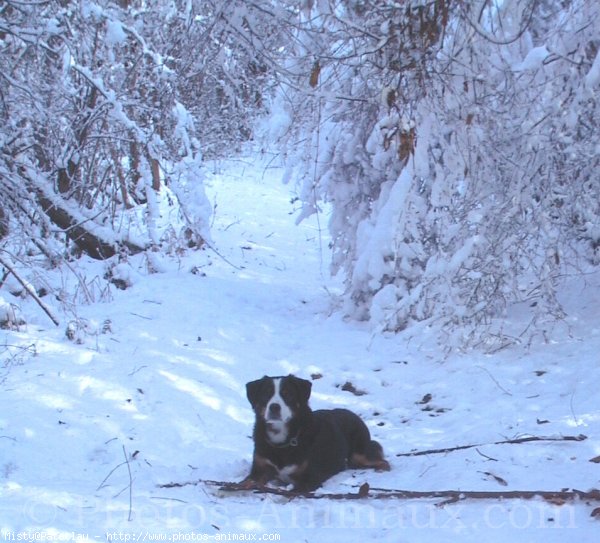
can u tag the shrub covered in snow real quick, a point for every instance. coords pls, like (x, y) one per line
(457, 146)
(10, 315)
(108, 114)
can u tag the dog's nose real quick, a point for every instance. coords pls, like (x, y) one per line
(275, 410)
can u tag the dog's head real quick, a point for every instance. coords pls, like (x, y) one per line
(276, 401)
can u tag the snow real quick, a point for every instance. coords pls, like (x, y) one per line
(592, 78)
(533, 60)
(115, 34)
(152, 392)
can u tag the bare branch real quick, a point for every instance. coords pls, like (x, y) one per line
(367, 492)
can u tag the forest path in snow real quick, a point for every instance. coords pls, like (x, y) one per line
(91, 431)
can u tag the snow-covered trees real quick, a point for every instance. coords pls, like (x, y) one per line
(226, 54)
(90, 112)
(457, 145)
(454, 141)
(108, 109)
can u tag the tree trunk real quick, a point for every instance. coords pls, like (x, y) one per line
(93, 244)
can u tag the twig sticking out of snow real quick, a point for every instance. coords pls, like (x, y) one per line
(129, 516)
(129, 486)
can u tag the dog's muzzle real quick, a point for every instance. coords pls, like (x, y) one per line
(274, 412)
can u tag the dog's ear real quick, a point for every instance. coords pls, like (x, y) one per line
(253, 389)
(303, 387)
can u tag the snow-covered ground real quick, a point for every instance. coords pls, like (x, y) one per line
(152, 392)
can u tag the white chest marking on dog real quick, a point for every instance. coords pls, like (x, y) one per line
(285, 473)
(277, 422)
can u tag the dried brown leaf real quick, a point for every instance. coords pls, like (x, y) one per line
(314, 74)
(496, 478)
(425, 400)
(363, 491)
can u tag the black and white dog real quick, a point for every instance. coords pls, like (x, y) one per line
(294, 444)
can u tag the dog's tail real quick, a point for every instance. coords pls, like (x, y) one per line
(374, 451)
(374, 454)
(372, 457)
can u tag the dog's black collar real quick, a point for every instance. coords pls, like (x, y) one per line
(291, 443)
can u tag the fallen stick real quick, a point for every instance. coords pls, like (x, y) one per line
(365, 491)
(556, 497)
(529, 439)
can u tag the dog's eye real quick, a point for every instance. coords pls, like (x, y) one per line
(286, 394)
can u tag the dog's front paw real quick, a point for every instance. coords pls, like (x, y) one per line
(249, 484)
(382, 465)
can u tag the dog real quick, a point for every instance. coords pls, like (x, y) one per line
(298, 446)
